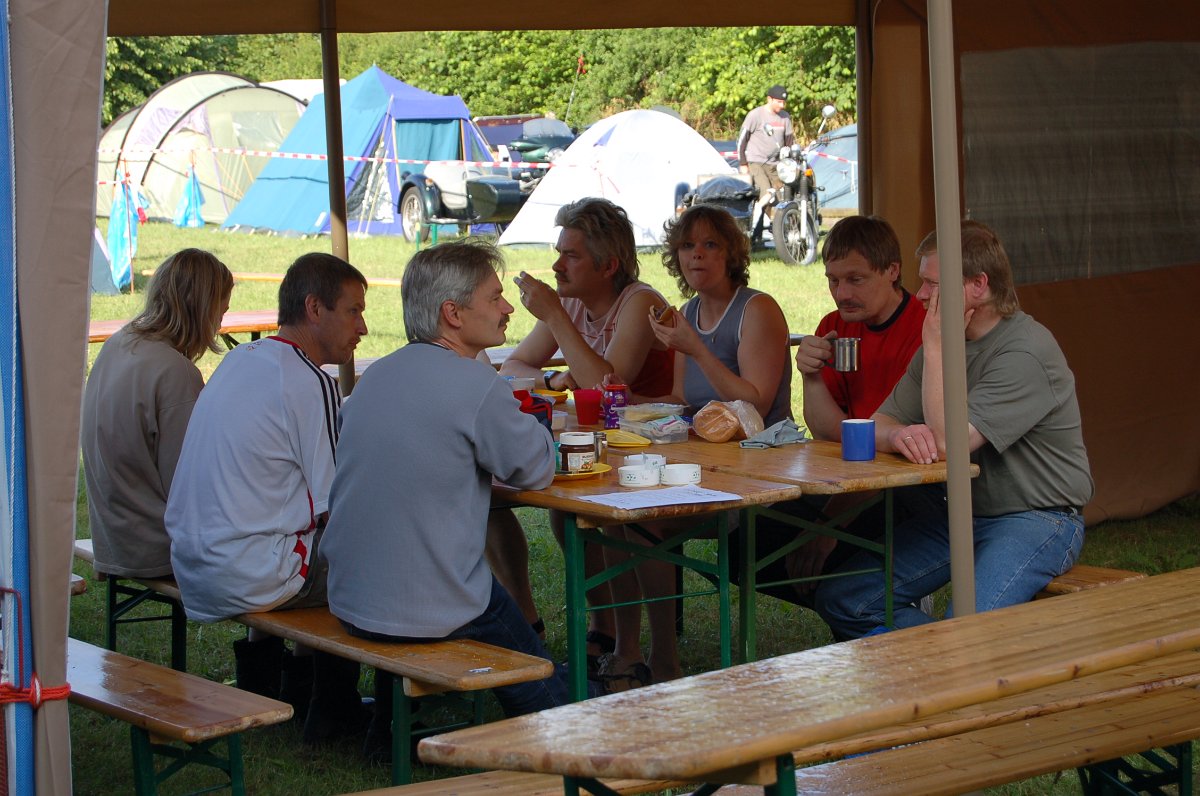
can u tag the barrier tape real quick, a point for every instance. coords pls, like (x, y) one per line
(126, 153)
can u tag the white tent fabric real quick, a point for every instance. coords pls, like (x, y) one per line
(634, 159)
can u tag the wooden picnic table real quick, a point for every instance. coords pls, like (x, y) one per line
(582, 518)
(741, 724)
(818, 468)
(254, 322)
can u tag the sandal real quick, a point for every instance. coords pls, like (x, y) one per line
(616, 676)
(604, 643)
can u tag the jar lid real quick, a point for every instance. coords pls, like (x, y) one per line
(577, 438)
(616, 385)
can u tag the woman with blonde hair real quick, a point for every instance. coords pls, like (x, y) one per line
(136, 407)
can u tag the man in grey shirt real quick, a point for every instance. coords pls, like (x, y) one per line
(1024, 433)
(765, 130)
(422, 437)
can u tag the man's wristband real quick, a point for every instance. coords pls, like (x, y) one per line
(546, 376)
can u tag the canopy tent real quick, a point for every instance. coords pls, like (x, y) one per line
(384, 121)
(1141, 458)
(635, 159)
(835, 168)
(220, 126)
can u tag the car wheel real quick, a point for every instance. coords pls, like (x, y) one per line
(792, 245)
(412, 216)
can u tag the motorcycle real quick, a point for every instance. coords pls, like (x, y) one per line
(792, 212)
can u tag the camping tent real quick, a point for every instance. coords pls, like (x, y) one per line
(1142, 455)
(212, 122)
(834, 161)
(635, 159)
(383, 121)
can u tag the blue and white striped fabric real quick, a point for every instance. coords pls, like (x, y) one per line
(14, 528)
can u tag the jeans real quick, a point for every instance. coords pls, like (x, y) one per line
(1016, 555)
(502, 624)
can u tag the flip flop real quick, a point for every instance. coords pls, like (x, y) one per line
(616, 676)
(605, 643)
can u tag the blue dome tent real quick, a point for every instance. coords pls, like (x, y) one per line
(383, 120)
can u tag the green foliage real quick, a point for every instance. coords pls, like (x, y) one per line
(135, 67)
(712, 76)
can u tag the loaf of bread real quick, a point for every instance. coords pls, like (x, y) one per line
(721, 421)
(716, 422)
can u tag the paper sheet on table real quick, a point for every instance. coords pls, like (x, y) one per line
(670, 496)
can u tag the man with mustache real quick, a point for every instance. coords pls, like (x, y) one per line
(596, 313)
(428, 429)
(251, 491)
(862, 266)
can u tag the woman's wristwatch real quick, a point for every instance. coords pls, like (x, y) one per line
(546, 376)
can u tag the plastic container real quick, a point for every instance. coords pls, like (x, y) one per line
(641, 413)
(660, 430)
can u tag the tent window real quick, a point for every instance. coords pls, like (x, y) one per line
(1085, 159)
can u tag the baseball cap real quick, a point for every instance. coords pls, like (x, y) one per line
(777, 92)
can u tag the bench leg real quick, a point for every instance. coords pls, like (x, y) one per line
(785, 777)
(1172, 766)
(145, 782)
(146, 778)
(123, 598)
(404, 717)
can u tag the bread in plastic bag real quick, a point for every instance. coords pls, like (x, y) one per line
(721, 421)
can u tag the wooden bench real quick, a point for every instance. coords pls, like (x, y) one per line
(125, 594)
(1091, 738)
(254, 322)
(1083, 576)
(1098, 692)
(439, 671)
(166, 704)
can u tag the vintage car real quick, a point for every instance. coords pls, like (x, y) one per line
(473, 191)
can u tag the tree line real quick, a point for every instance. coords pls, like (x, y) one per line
(711, 76)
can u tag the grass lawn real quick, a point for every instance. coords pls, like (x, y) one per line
(275, 762)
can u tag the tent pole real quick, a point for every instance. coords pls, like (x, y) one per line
(954, 377)
(863, 69)
(333, 146)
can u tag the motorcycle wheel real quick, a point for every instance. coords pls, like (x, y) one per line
(791, 245)
(412, 216)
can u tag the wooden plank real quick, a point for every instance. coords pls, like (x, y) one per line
(511, 783)
(456, 665)
(565, 495)
(1012, 752)
(248, 276)
(234, 322)
(684, 729)
(1082, 576)
(1180, 670)
(817, 466)
(174, 704)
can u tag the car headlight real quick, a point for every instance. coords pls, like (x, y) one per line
(787, 170)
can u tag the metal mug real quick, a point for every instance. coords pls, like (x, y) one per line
(845, 354)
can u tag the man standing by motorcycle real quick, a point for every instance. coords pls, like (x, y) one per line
(766, 129)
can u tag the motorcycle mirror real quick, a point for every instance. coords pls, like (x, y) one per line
(828, 111)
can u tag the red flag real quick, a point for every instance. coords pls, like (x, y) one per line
(581, 69)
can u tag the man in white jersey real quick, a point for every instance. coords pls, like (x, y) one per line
(251, 490)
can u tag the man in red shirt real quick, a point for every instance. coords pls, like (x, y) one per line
(862, 265)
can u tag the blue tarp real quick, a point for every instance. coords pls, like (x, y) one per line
(187, 212)
(381, 117)
(839, 177)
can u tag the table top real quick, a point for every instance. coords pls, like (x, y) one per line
(565, 495)
(233, 322)
(816, 466)
(729, 724)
